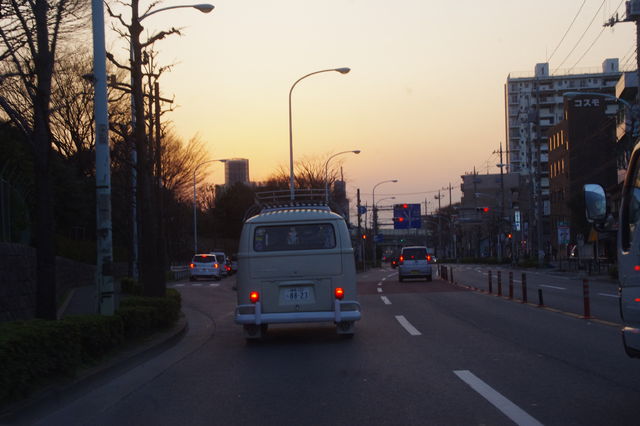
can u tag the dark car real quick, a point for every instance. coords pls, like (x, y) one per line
(394, 262)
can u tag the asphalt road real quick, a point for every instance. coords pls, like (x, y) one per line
(423, 353)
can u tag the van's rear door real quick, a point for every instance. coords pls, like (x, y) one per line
(297, 267)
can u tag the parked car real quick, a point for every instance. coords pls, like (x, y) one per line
(204, 266)
(222, 259)
(234, 263)
(414, 263)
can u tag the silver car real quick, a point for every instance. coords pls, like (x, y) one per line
(414, 262)
(204, 266)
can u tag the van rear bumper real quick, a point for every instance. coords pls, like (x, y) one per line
(252, 314)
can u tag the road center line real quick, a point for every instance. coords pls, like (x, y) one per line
(379, 290)
(380, 283)
(384, 278)
(407, 326)
(508, 408)
(386, 300)
(552, 286)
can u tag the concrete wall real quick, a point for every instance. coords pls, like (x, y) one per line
(18, 280)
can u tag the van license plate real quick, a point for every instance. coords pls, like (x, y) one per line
(297, 294)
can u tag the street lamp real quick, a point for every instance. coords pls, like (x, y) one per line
(375, 217)
(343, 70)
(195, 226)
(326, 173)
(136, 97)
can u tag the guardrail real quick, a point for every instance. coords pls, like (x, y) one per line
(179, 272)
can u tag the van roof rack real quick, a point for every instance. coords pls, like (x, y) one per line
(311, 198)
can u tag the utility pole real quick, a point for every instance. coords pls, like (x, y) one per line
(632, 15)
(438, 197)
(360, 241)
(501, 219)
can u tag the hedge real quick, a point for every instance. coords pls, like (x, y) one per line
(35, 351)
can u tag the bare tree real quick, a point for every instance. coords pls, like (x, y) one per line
(309, 173)
(30, 31)
(179, 160)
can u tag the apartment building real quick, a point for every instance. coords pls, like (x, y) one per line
(236, 170)
(533, 104)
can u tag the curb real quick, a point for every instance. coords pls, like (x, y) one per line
(65, 390)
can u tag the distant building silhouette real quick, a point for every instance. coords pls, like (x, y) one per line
(236, 170)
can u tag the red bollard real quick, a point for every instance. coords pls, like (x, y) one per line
(490, 283)
(524, 288)
(510, 285)
(499, 283)
(585, 294)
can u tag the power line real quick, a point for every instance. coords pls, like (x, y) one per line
(567, 32)
(581, 37)
(588, 49)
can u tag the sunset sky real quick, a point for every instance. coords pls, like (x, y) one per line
(424, 100)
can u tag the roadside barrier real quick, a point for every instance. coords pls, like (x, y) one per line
(490, 284)
(510, 285)
(451, 270)
(585, 294)
(524, 288)
(540, 300)
(499, 283)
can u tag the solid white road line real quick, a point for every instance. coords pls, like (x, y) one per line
(552, 286)
(609, 295)
(407, 326)
(508, 408)
(386, 300)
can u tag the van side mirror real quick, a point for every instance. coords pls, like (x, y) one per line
(595, 203)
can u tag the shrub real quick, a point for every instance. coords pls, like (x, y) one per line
(34, 351)
(130, 286)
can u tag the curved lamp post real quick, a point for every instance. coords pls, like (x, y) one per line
(195, 226)
(343, 70)
(326, 173)
(136, 91)
(375, 217)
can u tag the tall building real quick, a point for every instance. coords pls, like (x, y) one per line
(533, 104)
(581, 150)
(236, 170)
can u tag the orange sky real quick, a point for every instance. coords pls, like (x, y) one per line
(424, 99)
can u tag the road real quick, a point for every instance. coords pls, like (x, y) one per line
(424, 353)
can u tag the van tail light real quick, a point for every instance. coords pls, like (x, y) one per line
(339, 292)
(401, 261)
(254, 296)
(636, 268)
(191, 265)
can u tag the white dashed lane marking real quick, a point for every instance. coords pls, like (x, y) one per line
(386, 300)
(508, 408)
(407, 326)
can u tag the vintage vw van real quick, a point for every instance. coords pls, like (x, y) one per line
(296, 265)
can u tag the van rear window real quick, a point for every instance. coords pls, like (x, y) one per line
(294, 237)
